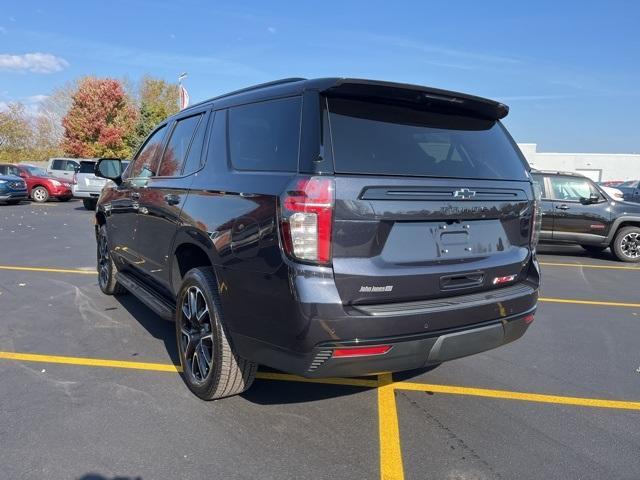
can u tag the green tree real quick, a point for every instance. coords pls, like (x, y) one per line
(15, 133)
(100, 121)
(157, 99)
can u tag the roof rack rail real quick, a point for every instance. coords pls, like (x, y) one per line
(249, 89)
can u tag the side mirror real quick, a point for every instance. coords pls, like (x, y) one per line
(593, 198)
(109, 168)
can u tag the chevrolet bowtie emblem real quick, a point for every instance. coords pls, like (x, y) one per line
(464, 193)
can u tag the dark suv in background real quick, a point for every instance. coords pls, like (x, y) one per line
(329, 227)
(577, 211)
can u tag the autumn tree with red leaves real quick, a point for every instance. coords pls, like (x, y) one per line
(101, 120)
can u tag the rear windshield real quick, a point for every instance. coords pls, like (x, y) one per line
(374, 138)
(87, 167)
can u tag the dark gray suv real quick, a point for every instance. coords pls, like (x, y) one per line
(328, 227)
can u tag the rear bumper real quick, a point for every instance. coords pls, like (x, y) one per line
(299, 336)
(86, 193)
(406, 353)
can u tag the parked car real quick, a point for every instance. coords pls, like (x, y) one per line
(576, 211)
(40, 185)
(87, 186)
(614, 193)
(63, 167)
(371, 227)
(610, 183)
(12, 189)
(630, 190)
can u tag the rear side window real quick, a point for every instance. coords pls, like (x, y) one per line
(86, 167)
(178, 146)
(384, 139)
(265, 136)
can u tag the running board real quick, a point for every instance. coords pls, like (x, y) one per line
(146, 295)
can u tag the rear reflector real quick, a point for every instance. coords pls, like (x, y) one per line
(501, 280)
(361, 351)
(528, 319)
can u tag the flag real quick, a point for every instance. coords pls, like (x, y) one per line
(184, 98)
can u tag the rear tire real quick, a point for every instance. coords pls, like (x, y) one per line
(64, 199)
(106, 268)
(40, 194)
(210, 366)
(13, 202)
(89, 203)
(626, 244)
(594, 248)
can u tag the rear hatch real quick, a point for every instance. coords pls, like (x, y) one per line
(431, 200)
(86, 178)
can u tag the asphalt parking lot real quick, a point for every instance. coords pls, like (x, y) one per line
(90, 388)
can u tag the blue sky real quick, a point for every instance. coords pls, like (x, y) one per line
(570, 71)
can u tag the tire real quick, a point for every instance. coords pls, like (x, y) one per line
(594, 248)
(626, 244)
(40, 194)
(64, 199)
(202, 334)
(13, 202)
(106, 268)
(89, 203)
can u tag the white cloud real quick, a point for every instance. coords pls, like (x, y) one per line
(271, 30)
(32, 62)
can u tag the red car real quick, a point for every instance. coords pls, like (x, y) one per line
(40, 185)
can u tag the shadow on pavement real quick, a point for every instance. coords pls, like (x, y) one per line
(156, 326)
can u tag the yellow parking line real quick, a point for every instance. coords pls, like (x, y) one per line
(90, 362)
(350, 382)
(587, 265)
(522, 396)
(45, 269)
(589, 302)
(391, 467)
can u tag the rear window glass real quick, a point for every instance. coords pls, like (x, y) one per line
(265, 136)
(373, 138)
(87, 167)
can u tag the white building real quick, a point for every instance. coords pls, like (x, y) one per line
(600, 167)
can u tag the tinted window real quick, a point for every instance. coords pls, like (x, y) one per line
(3, 169)
(178, 146)
(87, 167)
(57, 165)
(401, 140)
(146, 163)
(572, 188)
(194, 156)
(265, 136)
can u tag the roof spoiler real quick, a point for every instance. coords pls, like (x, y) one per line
(414, 94)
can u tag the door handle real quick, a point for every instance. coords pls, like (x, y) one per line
(562, 207)
(172, 199)
(135, 195)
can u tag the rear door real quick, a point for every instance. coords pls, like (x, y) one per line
(428, 204)
(162, 198)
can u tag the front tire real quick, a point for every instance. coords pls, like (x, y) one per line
(626, 244)
(210, 366)
(594, 248)
(40, 194)
(89, 203)
(106, 268)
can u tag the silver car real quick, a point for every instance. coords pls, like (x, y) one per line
(86, 185)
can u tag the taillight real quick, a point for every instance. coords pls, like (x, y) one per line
(536, 216)
(307, 218)
(75, 179)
